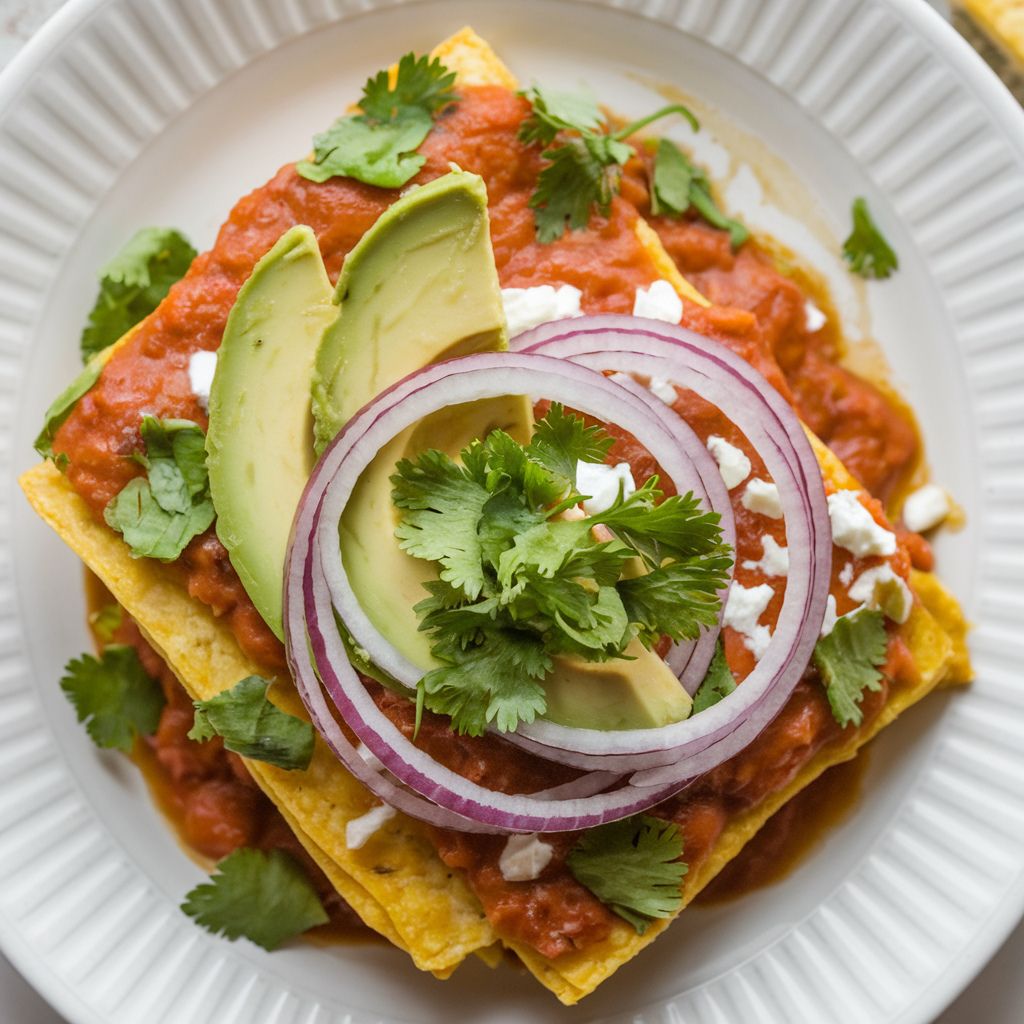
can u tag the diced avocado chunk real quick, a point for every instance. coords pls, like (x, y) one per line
(260, 438)
(419, 287)
(640, 694)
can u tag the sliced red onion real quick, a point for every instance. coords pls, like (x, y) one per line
(318, 587)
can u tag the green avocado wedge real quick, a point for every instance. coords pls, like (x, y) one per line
(419, 287)
(260, 439)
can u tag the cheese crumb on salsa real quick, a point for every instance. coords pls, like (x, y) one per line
(775, 558)
(763, 497)
(925, 508)
(603, 484)
(732, 462)
(744, 608)
(659, 302)
(201, 367)
(524, 857)
(528, 307)
(855, 529)
(881, 588)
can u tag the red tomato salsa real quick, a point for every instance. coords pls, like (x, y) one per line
(757, 311)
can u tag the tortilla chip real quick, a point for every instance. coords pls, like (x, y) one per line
(396, 882)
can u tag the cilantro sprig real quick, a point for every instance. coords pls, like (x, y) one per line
(158, 514)
(252, 726)
(113, 696)
(866, 249)
(585, 158)
(677, 184)
(378, 145)
(519, 585)
(264, 897)
(633, 866)
(717, 684)
(849, 659)
(134, 283)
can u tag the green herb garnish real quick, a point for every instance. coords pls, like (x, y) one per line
(61, 408)
(849, 659)
(113, 696)
(252, 726)
(134, 283)
(106, 621)
(264, 897)
(585, 158)
(633, 867)
(716, 685)
(158, 514)
(378, 145)
(677, 184)
(866, 249)
(518, 585)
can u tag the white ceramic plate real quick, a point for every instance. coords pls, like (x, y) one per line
(130, 112)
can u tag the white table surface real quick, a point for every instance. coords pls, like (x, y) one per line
(995, 997)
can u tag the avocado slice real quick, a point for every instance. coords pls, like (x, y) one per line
(419, 287)
(260, 438)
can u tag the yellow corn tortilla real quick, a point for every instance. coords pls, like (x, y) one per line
(396, 882)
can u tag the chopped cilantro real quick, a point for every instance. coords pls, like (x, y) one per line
(716, 685)
(585, 159)
(677, 184)
(113, 696)
(134, 283)
(254, 727)
(633, 866)
(106, 621)
(519, 585)
(160, 513)
(264, 897)
(865, 248)
(849, 659)
(378, 145)
(61, 408)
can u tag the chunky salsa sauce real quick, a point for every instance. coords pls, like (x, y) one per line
(757, 311)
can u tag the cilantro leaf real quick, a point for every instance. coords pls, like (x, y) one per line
(676, 185)
(633, 867)
(134, 283)
(676, 527)
(378, 145)
(562, 439)
(113, 696)
(264, 897)
(377, 154)
(496, 681)
(585, 159)
(519, 584)
(254, 727)
(441, 506)
(849, 659)
(675, 600)
(865, 248)
(716, 685)
(160, 513)
(61, 408)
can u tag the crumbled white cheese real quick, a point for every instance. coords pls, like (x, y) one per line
(358, 830)
(831, 618)
(880, 588)
(659, 302)
(663, 389)
(732, 463)
(775, 558)
(742, 610)
(814, 319)
(925, 508)
(854, 528)
(603, 484)
(528, 307)
(371, 759)
(846, 574)
(201, 367)
(524, 857)
(762, 497)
